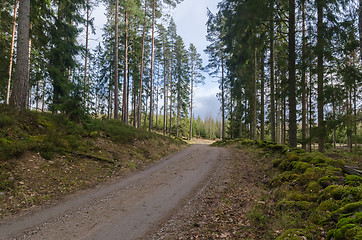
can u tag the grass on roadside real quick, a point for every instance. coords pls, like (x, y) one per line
(310, 198)
(44, 156)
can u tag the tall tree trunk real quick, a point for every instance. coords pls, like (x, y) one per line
(86, 56)
(262, 98)
(28, 103)
(37, 95)
(178, 117)
(350, 120)
(334, 128)
(134, 103)
(320, 71)
(145, 116)
(360, 27)
(21, 77)
(277, 111)
(139, 109)
(157, 89)
(222, 97)
(43, 97)
(192, 95)
(284, 111)
(253, 99)
(231, 114)
(292, 78)
(310, 105)
(152, 62)
(11, 52)
(272, 90)
(164, 91)
(304, 101)
(116, 78)
(171, 73)
(355, 114)
(125, 81)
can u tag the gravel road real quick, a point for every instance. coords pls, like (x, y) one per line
(131, 208)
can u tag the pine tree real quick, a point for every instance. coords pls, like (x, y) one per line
(216, 52)
(11, 52)
(320, 71)
(116, 76)
(360, 27)
(196, 77)
(19, 96)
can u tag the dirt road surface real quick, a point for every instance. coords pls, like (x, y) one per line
(131, 208)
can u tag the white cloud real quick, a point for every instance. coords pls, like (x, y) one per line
(191, 17)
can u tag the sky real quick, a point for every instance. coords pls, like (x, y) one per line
(190, 18)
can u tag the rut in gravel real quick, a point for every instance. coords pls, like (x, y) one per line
(128, 209)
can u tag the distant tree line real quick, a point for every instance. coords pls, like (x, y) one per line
(140, 73)
(290, 71)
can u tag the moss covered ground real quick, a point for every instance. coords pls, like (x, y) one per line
(309, 196)
(44, 157)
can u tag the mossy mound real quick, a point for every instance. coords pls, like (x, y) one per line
(313, 190)
(316, 188)
(51, 134)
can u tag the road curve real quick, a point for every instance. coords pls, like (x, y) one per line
(128, 209)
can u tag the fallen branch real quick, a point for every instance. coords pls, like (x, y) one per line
(352, 170)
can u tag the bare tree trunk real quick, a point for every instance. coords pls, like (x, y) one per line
(29, 58)
(350, 120)
(355, 115)
(178, 118)
(37, 95)
(171, 97)
(292, 78)
(272, 91)
(157, 89)
(320, 70)
(231, 113)
(11, 53)
(262, 98)
(139, 110)
(125, 81)
(192, 95)
(86, 56)
(43, 97)
(304, 101)
(360, 27)
(222, 97)
(164, 92)
(253, 100)
(152, 62)
(277, 112)
(134, 109)
(310, 107)
(21, 77)
(284, 120)
(145, 118)
(116, 78)
(334, 128)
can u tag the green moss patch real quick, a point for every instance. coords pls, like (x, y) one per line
(313, 193)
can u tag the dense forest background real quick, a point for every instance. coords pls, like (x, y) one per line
(289, 71)
(64, 76)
